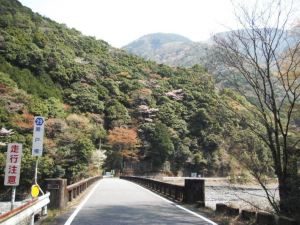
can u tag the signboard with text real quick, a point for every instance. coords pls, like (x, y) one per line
(13, 164)
(38, 135)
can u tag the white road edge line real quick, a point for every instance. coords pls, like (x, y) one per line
(179, 206)
(79, 207)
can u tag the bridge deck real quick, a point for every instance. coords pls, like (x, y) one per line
(117, 202)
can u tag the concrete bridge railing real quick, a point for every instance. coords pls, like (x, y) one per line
(61, 193)
(193, 190)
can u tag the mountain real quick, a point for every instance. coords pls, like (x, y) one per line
(180, 52)
(156, 41)
(169, 49)
(91, 93)
(175, 50)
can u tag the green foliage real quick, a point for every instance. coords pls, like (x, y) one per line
(114, 160)
(180, 155)
(199, 161)
(6, 80)
(41, 86)
(161, 146)
(59, 171)
(199, 121)
(84, 87)
(55, 108)
(75, 158)
(82, 150)
(84, 98)
(117, 114)
(37, 106)
(252, 153)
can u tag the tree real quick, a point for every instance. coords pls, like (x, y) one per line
(266, 54)
(124, 141)
(161, 145)
(116, 114)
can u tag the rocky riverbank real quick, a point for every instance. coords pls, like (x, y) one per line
(220, 190)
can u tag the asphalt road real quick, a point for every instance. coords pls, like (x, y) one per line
(116, 202)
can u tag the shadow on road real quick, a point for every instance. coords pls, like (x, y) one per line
(140, 214)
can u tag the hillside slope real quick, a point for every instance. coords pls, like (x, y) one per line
(176, 50)
(169, 49)
(147, 117)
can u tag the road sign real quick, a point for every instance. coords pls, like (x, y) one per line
(38, 135)
(13, 164)
(35, 190)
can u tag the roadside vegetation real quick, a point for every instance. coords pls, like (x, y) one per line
(106, 109)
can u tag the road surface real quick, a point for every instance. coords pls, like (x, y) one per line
(116, 202)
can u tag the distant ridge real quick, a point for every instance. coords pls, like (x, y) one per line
(177, 50)
(157, 40)
(167, 48)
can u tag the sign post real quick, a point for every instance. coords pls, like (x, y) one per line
(37, 143)
(12, 169)
(13, 197)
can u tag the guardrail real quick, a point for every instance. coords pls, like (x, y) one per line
(25, 213)
(191, 192)
(76, 189)
(61, 194)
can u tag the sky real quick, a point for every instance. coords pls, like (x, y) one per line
(119, 22)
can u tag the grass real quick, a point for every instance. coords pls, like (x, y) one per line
(52, 214)
(219, 218)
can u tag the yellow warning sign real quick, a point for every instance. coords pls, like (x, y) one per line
(35, 191)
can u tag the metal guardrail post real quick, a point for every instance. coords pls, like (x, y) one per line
(44, 211)
(32, 219)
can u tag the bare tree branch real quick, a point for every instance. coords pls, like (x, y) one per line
(266, 56)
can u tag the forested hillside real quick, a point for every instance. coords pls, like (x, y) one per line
(147, 117)
(175, 50)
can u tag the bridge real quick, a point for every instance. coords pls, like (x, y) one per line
(116, 202)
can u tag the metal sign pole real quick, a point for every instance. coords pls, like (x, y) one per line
(36, 174)
(37, 144)
(36, 170)
(13, 196)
